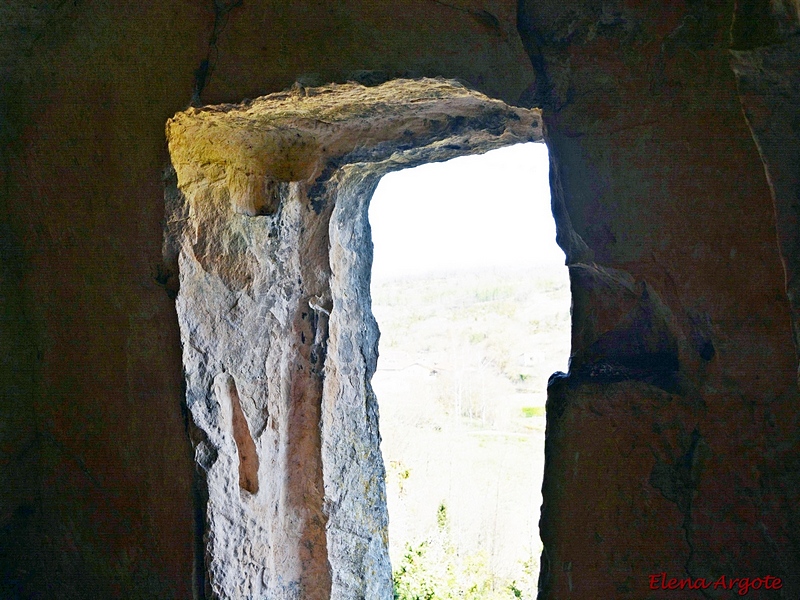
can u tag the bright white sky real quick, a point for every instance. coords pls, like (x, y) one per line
(487, 211)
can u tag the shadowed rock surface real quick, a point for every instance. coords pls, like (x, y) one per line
(672, 443)
(677, 285)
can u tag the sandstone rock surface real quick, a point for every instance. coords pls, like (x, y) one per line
(660, 184)
(270, 229)
(682, 370)
(764, 60)
(97, 491)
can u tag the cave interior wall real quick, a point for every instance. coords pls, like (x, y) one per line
(673, 135)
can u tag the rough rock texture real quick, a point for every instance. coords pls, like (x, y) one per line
(766, 47)
(671, 442)
(663, 206)
(96, 473)
(274, 253)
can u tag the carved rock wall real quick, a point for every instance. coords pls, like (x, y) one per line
(766, 46)
(97, 492)
(279, 343)
(678, 414)
(660, 193)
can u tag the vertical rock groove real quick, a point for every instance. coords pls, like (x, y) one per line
(246, 447)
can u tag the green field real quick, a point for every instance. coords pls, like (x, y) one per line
(463, 367)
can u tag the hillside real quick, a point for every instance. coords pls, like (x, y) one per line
(461, 384)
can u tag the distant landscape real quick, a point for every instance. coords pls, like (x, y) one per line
(461, 385)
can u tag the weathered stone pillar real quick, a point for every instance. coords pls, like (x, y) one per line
(269, 227)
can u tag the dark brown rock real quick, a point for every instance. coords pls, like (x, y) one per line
(677, 283)
(677, 212)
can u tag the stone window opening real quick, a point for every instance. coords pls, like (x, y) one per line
(472, 299)
(267, 225)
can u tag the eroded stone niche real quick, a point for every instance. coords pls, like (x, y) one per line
(269, 227)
